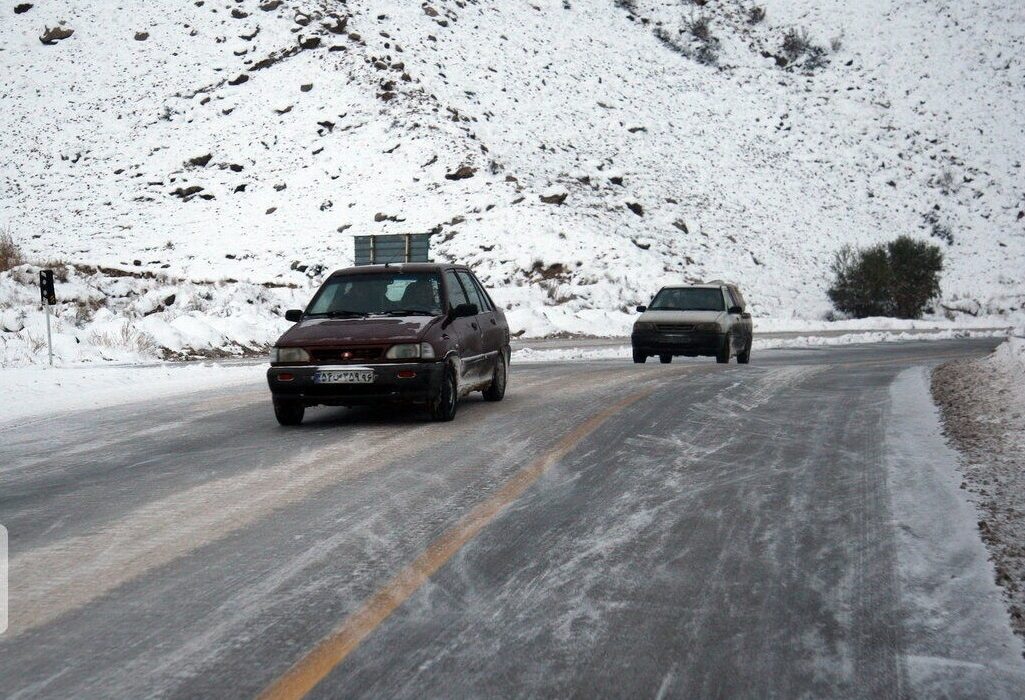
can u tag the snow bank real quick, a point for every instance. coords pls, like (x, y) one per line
(120, 316)
(625, 351)
(958, 640)
(1009, 357)
(26, 392)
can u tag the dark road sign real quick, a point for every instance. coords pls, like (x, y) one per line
(46, 291)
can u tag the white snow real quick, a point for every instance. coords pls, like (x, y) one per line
(803, 341)
(1009, 358)
(27, 392)
(957, 635)
(743, 170)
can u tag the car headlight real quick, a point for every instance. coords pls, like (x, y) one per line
(289, 355)
(643, 326)
(711, 327)
(410, 351)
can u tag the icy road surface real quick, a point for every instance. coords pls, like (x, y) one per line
(788, 528)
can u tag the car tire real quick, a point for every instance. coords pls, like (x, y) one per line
(665, 359)
(289, 412)
(499, 379)
(639, 357)
(744, 358)
(443, 406)
(723, 356)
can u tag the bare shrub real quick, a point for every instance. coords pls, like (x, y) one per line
(755, 14)
(938, 229)
(10, 253)
(946, 183)
(35, 343)
(799, 48)
(85, 310)
(701, 28)
(704, 46)
(127, 337)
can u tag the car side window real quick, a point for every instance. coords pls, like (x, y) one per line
(471, 292)
(730, 303)
(456, 295)
(739, 297)
(488, 305)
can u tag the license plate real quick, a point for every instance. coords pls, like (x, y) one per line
(344, 376)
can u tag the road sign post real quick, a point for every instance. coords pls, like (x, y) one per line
(49, 297)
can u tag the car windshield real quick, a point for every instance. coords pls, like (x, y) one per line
(689, 299)
(379, 294)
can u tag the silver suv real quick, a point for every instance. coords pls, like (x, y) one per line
(700, 319)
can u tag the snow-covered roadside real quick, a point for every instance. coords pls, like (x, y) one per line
(804, 341)
(128, 315)
(983, 404)
(957, 640)
(39, 390)
(27, 392)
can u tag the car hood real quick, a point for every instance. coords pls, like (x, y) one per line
(320, 332)
(681, 316)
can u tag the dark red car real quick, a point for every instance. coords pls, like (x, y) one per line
(422, 333)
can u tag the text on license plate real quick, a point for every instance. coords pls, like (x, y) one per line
(344, 376)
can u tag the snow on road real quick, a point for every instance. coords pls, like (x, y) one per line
(26, 392)
(804, 341)
(38, 390)
(957, 636)
(983, 404)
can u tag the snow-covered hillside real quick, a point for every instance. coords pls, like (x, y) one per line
(213, 140)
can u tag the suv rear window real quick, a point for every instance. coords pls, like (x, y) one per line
(689, 299)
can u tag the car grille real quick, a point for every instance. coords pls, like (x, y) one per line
(674, 327)
(346, 356)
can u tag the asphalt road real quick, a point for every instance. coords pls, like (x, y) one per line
(610, 530)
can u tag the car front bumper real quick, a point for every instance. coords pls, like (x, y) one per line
(388, 386)
(692, 344)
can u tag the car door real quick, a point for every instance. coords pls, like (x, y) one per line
(496, 330)
(466, 333)
(745, 317)
(491, 334)
(739, 322)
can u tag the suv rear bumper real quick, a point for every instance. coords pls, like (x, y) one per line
(693, 344)
(387, 387)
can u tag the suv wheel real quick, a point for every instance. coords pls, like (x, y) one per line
(723, 356)
(745, 357)
(639, 357)
(443, 406)
(289, 412)
(665, 359)
(496, 390)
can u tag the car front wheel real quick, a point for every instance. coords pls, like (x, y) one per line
(443, 406)
(639, 357)
(745, 357)
(289, 412)
(725, 350)
(665, 359)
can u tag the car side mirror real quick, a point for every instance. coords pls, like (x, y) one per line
(641, 309)
(463, 311)
(294, 315)
(736, 310)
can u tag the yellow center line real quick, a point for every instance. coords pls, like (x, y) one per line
(313, 667)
